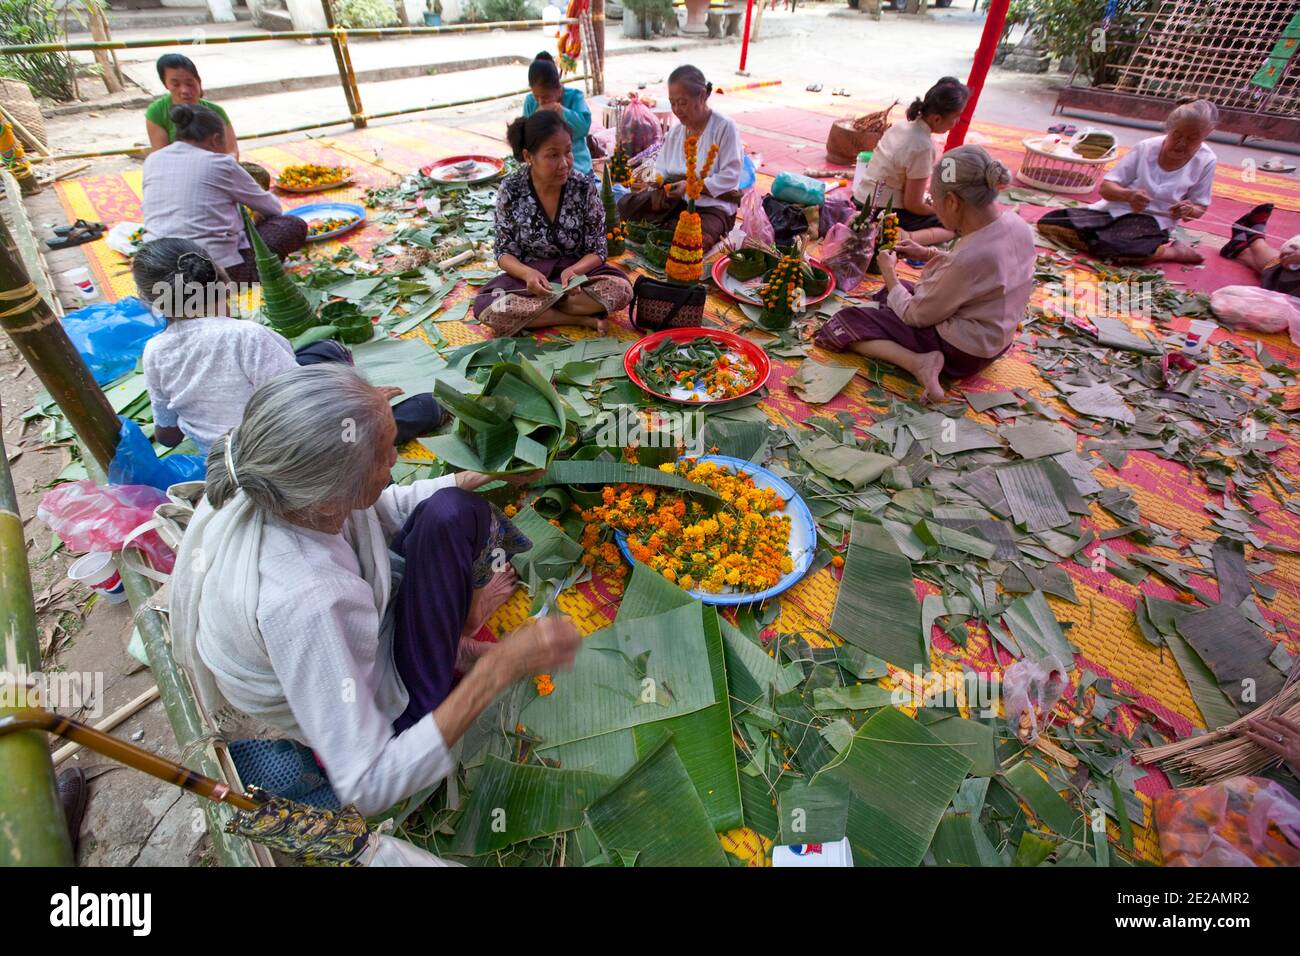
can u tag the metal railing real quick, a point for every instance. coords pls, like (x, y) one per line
(338, 36)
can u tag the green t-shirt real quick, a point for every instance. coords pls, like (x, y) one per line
(160, 110)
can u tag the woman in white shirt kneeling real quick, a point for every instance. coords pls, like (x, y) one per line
(1159, 181)
(315, 603)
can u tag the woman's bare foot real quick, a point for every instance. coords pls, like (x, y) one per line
(488, 598)
(1178, 252)
(928, 367)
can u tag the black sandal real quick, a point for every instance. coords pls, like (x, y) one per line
(80, 232)
(64, 230)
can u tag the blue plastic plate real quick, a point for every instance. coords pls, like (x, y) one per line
(803, 535)
(329, 210)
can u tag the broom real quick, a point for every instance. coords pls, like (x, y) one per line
(1226, 752)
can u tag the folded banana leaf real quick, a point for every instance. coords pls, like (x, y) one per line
(573, 472)
(515, 425)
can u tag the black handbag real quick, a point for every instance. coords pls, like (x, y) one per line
(660, 305)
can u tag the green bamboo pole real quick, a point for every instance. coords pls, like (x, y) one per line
(32, 829)
(85, 46)
(385, 114)
(42, 341)
(339, 43)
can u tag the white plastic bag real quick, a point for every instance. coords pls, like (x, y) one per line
(126, 238)
(1254, 309)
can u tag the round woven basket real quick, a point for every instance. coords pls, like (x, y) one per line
(18, 101)
(1061, 170)
(845, 141)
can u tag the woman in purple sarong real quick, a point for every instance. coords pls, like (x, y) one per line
(327, 617)
(963, 312)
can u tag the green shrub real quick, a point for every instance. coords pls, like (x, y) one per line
(1069, 28)
(34, 21)
(364, 14)
(498, 11)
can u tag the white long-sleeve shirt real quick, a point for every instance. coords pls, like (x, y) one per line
(194, 193)
(724, 176)
(1140, 169)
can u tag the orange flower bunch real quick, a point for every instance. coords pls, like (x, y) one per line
(686, 254)
(694, 182)
(743, 545)
(617, 234)
(780, 294)
(545, 687)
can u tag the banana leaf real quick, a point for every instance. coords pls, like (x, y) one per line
(845, 462)
(860, 697)
(512, 802)
(813, 813)
(573, 472)
(552, 503)
(902, 778)
(627, 674)
(1044, 802)
(876, 607)
(1037, 630)
(1215, 707)
(974, 739)
(938, 536)
(817, 384)
(759, 802)
(744, 440)
(655, 812)
(961, 841)
(549, 561)
(283, 303)
(703, 738)
(1032, 850)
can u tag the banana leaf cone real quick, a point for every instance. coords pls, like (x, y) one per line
(615, 233)
(311, 835)
(686, 255)
(283, 303)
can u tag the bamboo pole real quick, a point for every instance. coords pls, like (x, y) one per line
(86, 46)
(598, 48)
(99, 30)
(33, 831)
(385, 114)
(44, 344)
(339, 43)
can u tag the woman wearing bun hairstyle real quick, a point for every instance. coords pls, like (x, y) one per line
(184, 88)
(548, 93)
(193, 190)
(203, 368)
(688, 95)
(899, 171)
(963, 312)
(550, 229)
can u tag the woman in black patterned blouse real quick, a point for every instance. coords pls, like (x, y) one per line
(550, 226)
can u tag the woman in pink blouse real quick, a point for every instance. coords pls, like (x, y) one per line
(963, 312)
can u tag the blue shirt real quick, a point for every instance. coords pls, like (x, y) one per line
(578, 118)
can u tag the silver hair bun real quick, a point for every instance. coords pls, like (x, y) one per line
(995, 174)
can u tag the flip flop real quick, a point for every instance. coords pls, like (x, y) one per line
(81, 232)
(1065, 129)
(64, 230)
(813, 87)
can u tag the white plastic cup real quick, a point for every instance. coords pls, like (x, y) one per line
(97, 571)
(814, 854)
(82, 283)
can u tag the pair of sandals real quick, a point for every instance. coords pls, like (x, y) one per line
(817, 88)
(76, 234)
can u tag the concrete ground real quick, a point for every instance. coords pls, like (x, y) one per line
(132, 820)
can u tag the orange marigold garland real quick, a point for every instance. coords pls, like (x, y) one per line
(686, 255)
(620, 171)
(782, 294)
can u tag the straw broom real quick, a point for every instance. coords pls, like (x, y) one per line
(1225, 752)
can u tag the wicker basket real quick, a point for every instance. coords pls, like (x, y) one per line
(17, 99)
(1061, 170)
(845, 141)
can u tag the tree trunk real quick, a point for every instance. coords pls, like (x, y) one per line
(107, 64)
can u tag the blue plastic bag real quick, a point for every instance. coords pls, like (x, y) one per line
(749, 176)
(135, 463)
(110, 335)
(800, 190)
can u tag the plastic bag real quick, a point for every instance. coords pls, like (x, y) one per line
(110, 335)
(787, 221)
(126, 238)
(1241, 821)
(1254, 309)
(800, 190)
(90, 517)
(638, 127)
(834, 212)
(753, 220)
(847, 254)
(1033, 688)
(136, 463)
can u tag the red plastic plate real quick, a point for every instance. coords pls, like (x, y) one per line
(720, 280)
(444, 170)
(730, 340)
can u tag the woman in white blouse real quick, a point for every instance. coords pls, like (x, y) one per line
(688, 95)
(316, 606)
(1159, 181)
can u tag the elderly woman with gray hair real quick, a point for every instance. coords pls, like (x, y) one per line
(1159, 181)
(963, 312)
(323, 614)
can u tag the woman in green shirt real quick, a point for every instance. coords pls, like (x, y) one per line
(181, 78)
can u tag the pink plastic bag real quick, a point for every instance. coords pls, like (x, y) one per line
(1241, 821)
(753, 220)
(847, 255)
(1033, 688)
(638, 127)
(1256, 310)
(91, 517)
